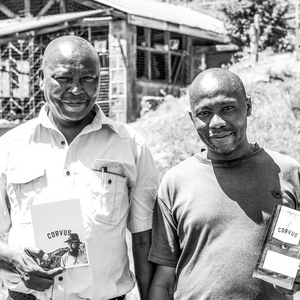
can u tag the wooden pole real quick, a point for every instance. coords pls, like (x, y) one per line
(297, 29)
(254, 33)
(27, 8)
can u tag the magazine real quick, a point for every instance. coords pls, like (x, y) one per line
(59, 232)
(279, 258)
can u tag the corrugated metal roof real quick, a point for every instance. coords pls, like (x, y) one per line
(159, 11)
(12, 26)
(168, 13)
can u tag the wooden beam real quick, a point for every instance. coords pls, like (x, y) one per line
(147, 22)
(216, 48)
(27, 8)
(169, 64)
(254, 33)
(297, 29)
(96, 21)
(46, 7)
(13, 37)
(90, 4)
(62, 7)
(25, 35)
(204, 34)
(50, 29)
(182, 29)
(7, 11)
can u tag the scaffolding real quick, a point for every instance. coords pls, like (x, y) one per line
(20, 59)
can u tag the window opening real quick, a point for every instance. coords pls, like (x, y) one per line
(161, 56)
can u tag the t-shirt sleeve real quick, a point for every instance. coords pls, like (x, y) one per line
(144, 192)
(298, 185)
(5, 221)
(165, 248)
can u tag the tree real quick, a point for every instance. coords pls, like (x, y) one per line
(273, 27)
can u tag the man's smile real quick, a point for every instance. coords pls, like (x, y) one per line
(74, 106)
(221, 135)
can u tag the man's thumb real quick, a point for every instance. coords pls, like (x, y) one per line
(55, 271)
(36, 252)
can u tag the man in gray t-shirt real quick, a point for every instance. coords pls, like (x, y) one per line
(213, 209)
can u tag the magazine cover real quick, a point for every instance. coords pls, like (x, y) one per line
(59, 232)
(279, 258)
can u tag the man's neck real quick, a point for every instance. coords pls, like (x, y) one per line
(245, 151)
(71, 130)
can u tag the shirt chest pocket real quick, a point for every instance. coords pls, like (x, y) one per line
(106, 197)
(109, 189)
(25, 185)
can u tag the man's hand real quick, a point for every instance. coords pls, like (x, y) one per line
(27, 265)
(286, 292)
(296, 286)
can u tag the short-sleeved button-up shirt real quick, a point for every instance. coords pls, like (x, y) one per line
(36, 163)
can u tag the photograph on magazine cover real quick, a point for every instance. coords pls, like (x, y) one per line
(59, 232)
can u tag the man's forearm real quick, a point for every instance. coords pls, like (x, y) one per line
(144, 269)
(157, 292)
(144, 275)
(162, 285)
(7, 255)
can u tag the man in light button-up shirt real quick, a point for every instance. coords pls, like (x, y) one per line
(73, 150)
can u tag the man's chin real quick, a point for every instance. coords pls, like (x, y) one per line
(73, 118)
(224, 152)
(226, 149)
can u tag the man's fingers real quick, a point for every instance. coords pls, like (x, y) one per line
(55, 271)
(284, 291)
(296, 286)
(38, 283)
(36, 252)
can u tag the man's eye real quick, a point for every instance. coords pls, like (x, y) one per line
(88, 78)
(228, 108)
(63, 78)
(203, 114)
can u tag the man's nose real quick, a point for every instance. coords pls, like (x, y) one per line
(75, 88)
(216, 122)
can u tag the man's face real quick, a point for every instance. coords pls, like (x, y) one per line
(221, 122)
(70, 81)
(73, 247)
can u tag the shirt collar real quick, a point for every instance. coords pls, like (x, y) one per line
(99, 121)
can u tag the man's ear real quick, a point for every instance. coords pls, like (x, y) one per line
(41, 78)
(249, 106)
(194, 120)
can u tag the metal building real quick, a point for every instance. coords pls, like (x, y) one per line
(144, 47)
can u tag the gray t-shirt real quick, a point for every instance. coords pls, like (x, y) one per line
(211, 218)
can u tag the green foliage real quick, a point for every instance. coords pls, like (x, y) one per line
(273, 27)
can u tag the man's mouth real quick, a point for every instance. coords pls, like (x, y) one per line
(74, 103)
(74, 106)
(221, 135)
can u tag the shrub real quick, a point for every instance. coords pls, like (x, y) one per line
(273, 27)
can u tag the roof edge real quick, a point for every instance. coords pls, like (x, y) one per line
(183, 29)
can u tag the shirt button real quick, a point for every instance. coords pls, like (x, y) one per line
(109, 181)
(63, 143)
(60, 278)
(68, 173)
